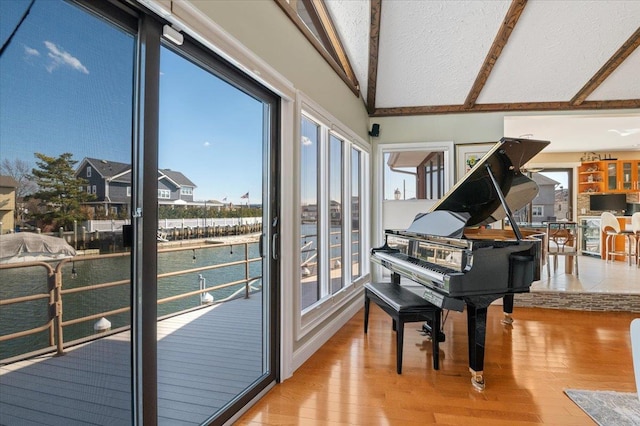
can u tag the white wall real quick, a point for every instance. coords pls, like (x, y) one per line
(461, 129)
(265, 30)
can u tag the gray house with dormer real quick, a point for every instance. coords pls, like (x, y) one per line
(544, 204)
(110, 182)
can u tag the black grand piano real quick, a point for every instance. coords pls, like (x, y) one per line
(460, 262)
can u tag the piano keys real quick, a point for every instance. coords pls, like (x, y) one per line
(461, 264)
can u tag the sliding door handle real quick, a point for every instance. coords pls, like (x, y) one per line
(274, 246)
(260, 243)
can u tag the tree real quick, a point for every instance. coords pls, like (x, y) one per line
(60, 192)
(19, 171)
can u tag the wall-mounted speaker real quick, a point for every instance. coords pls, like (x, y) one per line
(375, 130)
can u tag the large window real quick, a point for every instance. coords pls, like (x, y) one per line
(66, 90)
(356, 206)
(554, 200)
(411, 175)
(336, 183)
(332, 196)
(309, 163)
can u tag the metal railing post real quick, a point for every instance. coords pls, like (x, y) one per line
(51, 276)
(246, 270)
(58, 307)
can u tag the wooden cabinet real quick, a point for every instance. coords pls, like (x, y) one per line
(612, 176)
(628, 175)
(609, 176)
(591, 177)
(622, 175)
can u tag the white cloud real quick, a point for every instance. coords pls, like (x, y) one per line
(60, 57)
(206, 144)
(30, 51)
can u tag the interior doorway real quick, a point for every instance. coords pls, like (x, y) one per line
(554, 200)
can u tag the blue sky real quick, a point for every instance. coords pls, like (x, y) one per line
(66, 86)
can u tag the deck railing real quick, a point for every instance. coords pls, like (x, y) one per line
(56, 294)
(309, 253)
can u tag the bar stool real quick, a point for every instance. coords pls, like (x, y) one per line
(611, 227)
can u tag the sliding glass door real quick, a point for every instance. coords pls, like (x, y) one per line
(147, 175)
(215, 293)
(66, 124)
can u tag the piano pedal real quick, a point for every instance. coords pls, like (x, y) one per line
(425, 334)
(426, 331)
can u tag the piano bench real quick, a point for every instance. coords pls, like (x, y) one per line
(403, 306)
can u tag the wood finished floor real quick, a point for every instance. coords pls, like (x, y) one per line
(351, 380)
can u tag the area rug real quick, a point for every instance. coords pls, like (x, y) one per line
(608, 408)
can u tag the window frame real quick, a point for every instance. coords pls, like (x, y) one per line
(448, 147)
(330, 47)
(328, 304)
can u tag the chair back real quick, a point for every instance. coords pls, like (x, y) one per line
(562, 238)
(635, 223)
(608, 223)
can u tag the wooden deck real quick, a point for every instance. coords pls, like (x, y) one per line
(205, 358)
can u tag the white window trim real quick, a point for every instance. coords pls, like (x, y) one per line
(447, 147)
(313, 316)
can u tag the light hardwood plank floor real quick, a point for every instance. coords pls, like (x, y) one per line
(352, 380)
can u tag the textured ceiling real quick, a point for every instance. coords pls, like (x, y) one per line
(557, 46)
(430, 51)
(421, 57)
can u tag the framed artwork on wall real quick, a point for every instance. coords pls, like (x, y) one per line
(468, 154)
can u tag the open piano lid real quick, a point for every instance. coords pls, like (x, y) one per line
(475, 194)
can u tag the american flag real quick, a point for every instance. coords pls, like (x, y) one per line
(245, 195)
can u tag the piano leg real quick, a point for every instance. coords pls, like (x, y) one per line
(367, 302)
(507, 309)
(476, 329)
